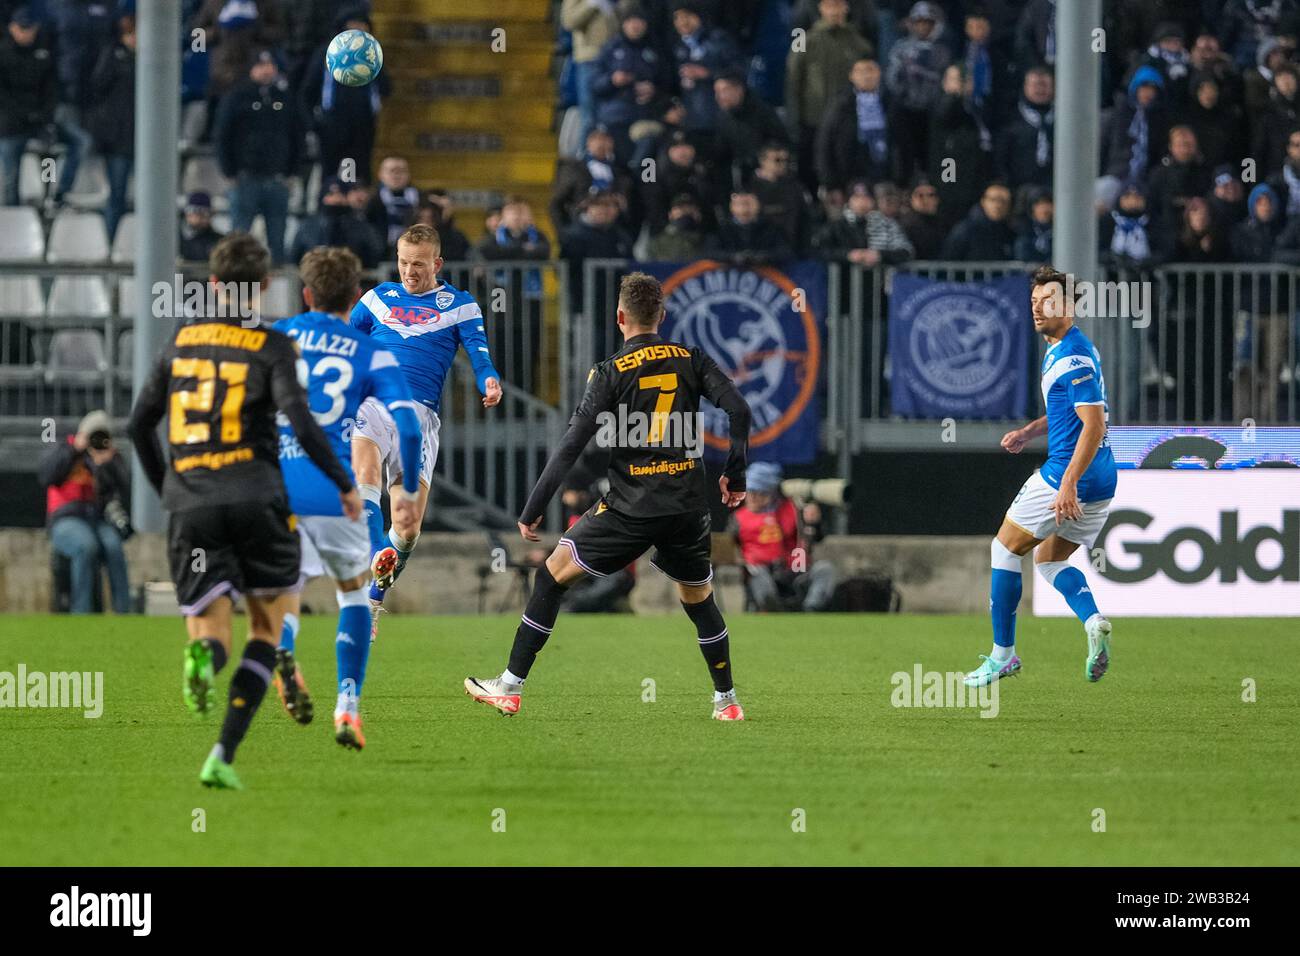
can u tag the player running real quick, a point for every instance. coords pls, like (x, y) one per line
(343, 367)
(230, 531)
(658, 493)
(422, 321)
(1064, 504)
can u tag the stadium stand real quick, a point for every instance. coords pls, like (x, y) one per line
(700, 92)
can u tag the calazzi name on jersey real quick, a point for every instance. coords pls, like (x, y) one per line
(330, 343)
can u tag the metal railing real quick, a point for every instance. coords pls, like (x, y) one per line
(1221, 346)
(489, 460)
(1218, 344)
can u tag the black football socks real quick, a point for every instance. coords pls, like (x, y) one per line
(714, 645)
(247, 688)
(537, 623)
(218, 653)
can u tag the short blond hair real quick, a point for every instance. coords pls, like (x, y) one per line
(422, 234)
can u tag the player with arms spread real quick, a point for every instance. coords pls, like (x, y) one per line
(658, 495)
(343, 367)
(219, 383)
(421, 321)
(1065, 503)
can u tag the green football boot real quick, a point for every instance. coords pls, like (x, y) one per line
(217, 773)
(199, 687)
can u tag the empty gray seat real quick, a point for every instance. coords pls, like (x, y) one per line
(21, 237)
(124, 356)
(124, 241)
(78, 238)
(90, 190)
(79, 297)
(31, 184)
(202, 174)
(21, 297)
(77, 357)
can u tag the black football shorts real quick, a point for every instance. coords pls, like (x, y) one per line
(232, 549)
(603, 541)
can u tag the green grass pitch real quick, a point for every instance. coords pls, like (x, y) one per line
(1184, 770)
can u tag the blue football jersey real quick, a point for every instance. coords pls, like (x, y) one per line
(424, 331)
(339, 367)
(1072, 377)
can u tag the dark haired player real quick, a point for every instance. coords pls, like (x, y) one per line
(1064, 504)
(219, 383)
(658, 495)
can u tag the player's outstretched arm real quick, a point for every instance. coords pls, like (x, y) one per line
(474, 340)
(720, 390)
(150, 407)
(1014, 441)
(571, 446)
(582, 427)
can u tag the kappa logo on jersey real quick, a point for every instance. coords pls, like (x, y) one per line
(746, 321)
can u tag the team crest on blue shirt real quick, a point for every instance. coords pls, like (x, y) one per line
(443, 300)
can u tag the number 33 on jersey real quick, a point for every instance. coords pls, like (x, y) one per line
(339, 367)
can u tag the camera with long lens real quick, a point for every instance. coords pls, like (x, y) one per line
(831, 492)
(99, 440)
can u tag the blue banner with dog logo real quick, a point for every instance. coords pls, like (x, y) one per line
(766, 328)
(959, 349)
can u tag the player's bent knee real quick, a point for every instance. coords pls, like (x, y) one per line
(694, 593)
(365, 460)
(354, 584)
(562, 566)
(1050, 569)
(353, 598)
(1015, 538)
(1003, 558)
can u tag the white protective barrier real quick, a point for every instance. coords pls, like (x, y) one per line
(1191, 543)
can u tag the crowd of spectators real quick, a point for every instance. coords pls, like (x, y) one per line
(267, 109)
(882, 130)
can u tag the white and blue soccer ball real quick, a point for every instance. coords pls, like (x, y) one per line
(354, 58)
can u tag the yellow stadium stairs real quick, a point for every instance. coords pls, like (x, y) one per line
(473, 101)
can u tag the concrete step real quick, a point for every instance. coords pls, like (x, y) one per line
(505, 171)
(408, 116)
(397, 28)
(416, 61)
(528, 11)
(478, 84)
(436, 138)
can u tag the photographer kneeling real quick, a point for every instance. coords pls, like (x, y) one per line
(86, 487)
(776, 546)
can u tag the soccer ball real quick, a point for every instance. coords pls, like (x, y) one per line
(354, 58)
